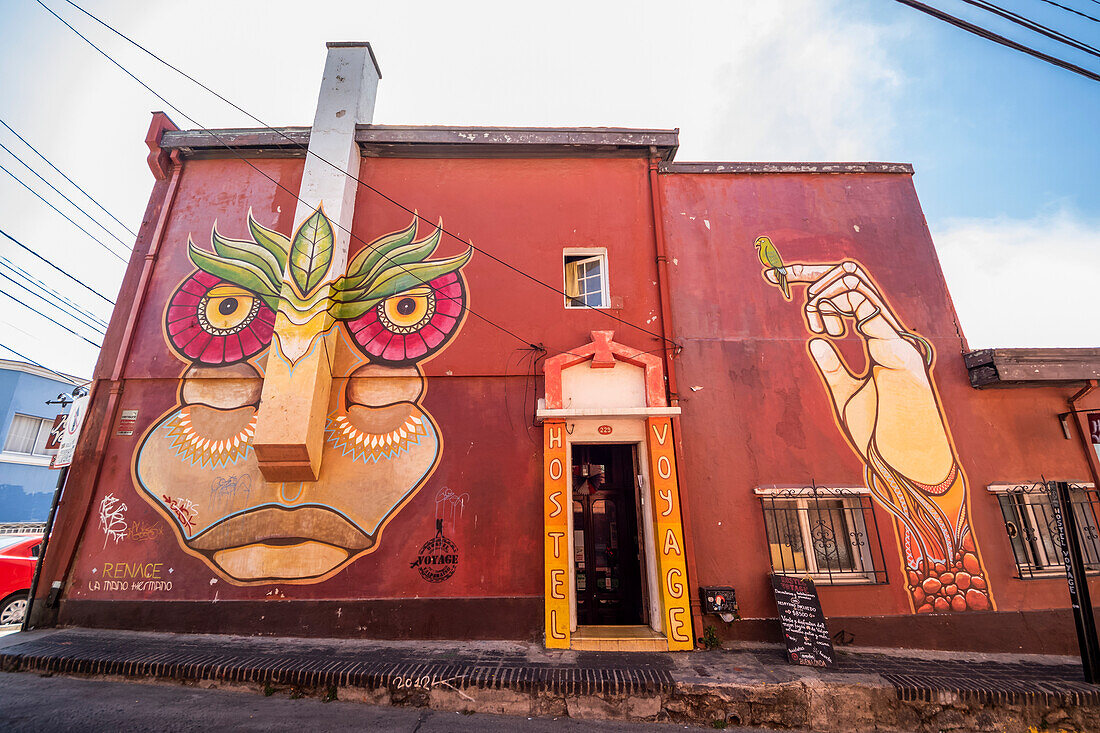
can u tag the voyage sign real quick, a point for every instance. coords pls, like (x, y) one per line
(803, 622)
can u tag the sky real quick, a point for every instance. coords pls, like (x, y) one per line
(1005, 147)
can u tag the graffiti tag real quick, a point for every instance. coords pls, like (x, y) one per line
(141, 531)
(230, 486)
(112, 519)
(185, 510)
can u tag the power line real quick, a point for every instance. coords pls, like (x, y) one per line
(339, 169)
(1071, 10)
(73, 203)
(991, 36)
(46, 300)
(26, 358)
(98, 323)
(78, 282)
(1033, 26)
(31, 308)
(62, 174)
(277, 183)
(59, 211)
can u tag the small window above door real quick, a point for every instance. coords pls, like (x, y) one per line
(586, 281)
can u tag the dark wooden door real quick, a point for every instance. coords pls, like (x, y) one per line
(605, 536)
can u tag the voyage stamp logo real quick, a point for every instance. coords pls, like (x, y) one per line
(438, 558)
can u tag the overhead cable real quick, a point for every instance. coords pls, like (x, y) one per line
(51, 320)
(71, 202)
(277, 183)
(1031, 25)
(338, 168)
(63, 272)
(1071, 10)
(75, 313)
(991, 36)
(48, 302)
(62, 174)
(62, 213)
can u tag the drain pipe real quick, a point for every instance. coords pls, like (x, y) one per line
(664, 295)
(1082, 431)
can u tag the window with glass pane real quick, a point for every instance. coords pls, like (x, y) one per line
(825, 537)
(28, 435)
(1033, 531)
(586, 281)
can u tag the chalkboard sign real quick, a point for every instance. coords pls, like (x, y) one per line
(804, 629)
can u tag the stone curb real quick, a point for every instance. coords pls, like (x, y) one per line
(842, 703)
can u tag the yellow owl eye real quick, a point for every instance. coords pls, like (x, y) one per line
(227, 308)
(407, 310)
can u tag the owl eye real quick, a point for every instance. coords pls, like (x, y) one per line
(407, 327)
(213, 322)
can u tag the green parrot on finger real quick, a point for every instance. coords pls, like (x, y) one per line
(770, 258)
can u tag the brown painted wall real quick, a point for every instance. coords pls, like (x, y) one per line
(756, 412)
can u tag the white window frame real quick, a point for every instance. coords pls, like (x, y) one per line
(1043, 564)
(852, 506)
(44, 423)
(588, 254)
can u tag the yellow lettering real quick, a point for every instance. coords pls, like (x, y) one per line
(557, 547)
(675, 589)
(676, 624)
(666, 494)
(156, 569)
(555, 437)
(556, 582)
(556, 503)
(554, 633)
(555, 469)
(107, 568)
(670, 542)
(664, 467)
(661, 435)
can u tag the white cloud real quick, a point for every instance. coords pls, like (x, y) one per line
(1024, 282)
(804, 81)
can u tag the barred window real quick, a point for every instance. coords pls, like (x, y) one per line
(1033, 530)
(828, 534)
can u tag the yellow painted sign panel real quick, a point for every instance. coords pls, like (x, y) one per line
(671, 564)
(555, 520)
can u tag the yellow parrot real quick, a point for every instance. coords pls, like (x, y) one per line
(769, 257)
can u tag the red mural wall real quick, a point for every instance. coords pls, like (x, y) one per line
(480, 390)
(757, 412)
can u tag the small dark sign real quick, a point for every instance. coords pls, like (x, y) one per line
(718, 599)
(438, 558)
(803, 622)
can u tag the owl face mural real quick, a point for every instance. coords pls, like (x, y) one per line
(393, 308)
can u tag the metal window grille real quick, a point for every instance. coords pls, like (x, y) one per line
(829, 534)
(1033, 531)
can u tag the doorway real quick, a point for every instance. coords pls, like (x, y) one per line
(607, 555)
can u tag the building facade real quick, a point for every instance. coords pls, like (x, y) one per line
(26, 421)
(501, 383)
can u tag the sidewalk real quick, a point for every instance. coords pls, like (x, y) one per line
(878, 690)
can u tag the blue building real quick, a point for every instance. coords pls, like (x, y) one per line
(26, 481)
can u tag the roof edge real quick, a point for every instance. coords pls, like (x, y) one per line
(1031, 366)
(787, 168)
(434, 141)
(37, 371)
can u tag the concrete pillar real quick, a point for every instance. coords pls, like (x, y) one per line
(297, 382)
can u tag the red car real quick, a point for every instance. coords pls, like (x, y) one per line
(18, 554)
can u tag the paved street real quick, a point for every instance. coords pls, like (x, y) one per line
(29, 702)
